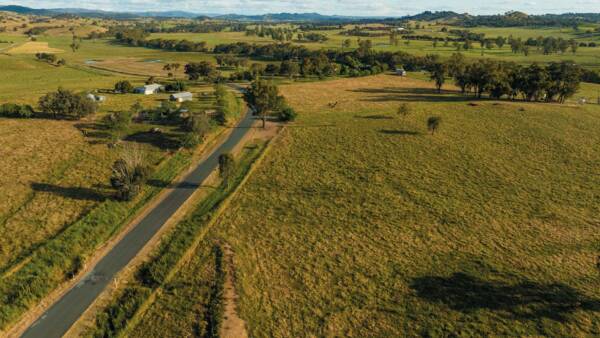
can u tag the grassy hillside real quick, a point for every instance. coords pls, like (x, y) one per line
(361, 223)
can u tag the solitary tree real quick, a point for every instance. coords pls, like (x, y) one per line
(226, 167)
(129, 173)
(433, 124)
(263, 98)
(437, 73)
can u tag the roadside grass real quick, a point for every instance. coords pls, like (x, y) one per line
(59, 206)
(172, 297)
(360, 223)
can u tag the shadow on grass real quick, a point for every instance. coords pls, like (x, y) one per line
(374, 117)
(412, 94)
(525, 300)
(95, 131)
(77, 193)
(398, 132)
(163, 141)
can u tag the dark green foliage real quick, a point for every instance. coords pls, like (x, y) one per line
(50, 58)
(216, 305)
(123, 87)
(177, 86)
(67, 104)
(263, 98)
(287, 114)
(15, 110)
(114, 319)
(196, 70)
(226, 167)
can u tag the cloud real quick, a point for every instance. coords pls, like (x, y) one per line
(342, 7)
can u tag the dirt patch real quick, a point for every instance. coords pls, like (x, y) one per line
(233, 326)
(33, 47)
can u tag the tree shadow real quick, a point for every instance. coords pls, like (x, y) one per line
(70, 192)
(398, 132)
(96, 131)
(183, 185)
(525, 300)
(163, 140)
(412, 94)
(374, 117)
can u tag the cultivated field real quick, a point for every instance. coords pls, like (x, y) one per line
(362, 223)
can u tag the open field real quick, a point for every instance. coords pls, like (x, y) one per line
(361, 223)
(33, 48)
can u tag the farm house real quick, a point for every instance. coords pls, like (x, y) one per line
(181, 97)
(148, 89)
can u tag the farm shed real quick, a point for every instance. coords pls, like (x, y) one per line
(181, 97)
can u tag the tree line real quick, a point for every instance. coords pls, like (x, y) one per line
(554, 82)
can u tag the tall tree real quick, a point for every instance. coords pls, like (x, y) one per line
(263, 97)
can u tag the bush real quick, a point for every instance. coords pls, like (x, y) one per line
(287, 114)
(66, 103)
(177, 86)
(15, 110)
(123, 87)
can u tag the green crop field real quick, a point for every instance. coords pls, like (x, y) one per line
(361, 223)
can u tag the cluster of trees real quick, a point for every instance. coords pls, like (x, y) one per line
(312, 37)
(363, 32)
(555, 82)
(202, 69)
(276, 33)
(195, 27)
(138, 38)
(519, 19)
(277, 51)
(547, 45)
(51, 59)
(65, 103)
(231, 61)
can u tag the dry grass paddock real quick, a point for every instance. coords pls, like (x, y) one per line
(33, 47)
(361, 223)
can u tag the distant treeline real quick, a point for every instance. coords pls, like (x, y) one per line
(137, 38)
(518, 19)
(195, 27)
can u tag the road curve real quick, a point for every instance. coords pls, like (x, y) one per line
(62, 315)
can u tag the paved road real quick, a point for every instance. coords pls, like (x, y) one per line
(63, 314)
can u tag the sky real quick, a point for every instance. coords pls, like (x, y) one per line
(340, 7)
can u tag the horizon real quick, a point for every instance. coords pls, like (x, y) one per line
(385, 8)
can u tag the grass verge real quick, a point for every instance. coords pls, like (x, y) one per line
(152, 275)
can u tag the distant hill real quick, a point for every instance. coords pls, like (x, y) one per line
(288, 17)
(432, 16)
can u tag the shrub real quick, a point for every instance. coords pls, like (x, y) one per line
(123, 87)
(287, 114)
(15, 110)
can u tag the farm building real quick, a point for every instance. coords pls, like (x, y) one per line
(97, 98)
(181, 97)
(400, 72)
(148, 89)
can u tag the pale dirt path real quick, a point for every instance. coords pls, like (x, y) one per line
(233, 326)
